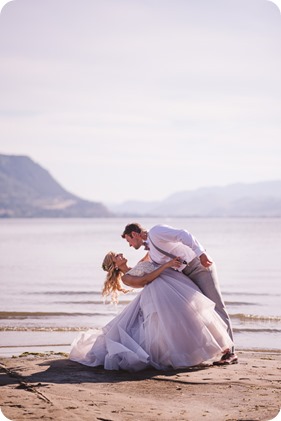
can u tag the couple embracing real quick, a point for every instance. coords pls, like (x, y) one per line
(177, 320)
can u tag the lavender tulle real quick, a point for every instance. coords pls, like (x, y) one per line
(170, 324)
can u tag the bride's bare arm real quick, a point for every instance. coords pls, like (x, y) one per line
(141, 281)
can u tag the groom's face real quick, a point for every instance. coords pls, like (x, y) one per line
(134, 239)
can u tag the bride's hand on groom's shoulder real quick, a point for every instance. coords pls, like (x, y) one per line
(205, 260)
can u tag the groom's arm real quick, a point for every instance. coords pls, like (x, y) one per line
(165, 233)
(189, 240)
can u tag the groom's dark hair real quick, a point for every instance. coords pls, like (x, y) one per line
(134, 227)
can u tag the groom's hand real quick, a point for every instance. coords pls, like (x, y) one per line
(205, 260)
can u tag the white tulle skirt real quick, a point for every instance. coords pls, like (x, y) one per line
(170, 324)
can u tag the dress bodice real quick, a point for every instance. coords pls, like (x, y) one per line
(142, 267)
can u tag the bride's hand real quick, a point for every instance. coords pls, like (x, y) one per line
(174, 263)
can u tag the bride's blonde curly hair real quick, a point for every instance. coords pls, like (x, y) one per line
(112, 285)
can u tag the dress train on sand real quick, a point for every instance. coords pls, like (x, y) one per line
(170, 324)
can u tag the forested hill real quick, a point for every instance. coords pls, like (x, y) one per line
(28, 190)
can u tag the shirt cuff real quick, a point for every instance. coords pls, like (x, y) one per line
(198, 251)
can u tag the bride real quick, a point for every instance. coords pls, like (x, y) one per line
(170, 323)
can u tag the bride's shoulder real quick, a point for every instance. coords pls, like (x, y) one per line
(141, 268)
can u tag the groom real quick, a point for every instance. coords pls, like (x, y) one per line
(163, 243)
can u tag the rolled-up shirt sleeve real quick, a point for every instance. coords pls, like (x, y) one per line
(166, 233)
(189, 240)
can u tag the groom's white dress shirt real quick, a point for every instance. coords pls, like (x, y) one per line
(180, 243)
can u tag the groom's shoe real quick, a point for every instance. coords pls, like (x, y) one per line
(227, 359)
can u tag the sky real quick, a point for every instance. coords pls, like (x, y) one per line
(138, 99)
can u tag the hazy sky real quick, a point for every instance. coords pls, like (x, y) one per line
(127, 99)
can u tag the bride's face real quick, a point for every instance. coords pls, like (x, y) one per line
(119, 259)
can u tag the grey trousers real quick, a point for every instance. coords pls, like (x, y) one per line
(207, 281)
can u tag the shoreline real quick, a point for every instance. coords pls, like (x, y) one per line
(20, 350)
(16, 342)
(51, 387)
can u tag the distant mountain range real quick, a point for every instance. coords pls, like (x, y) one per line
(28, 190)
(237, 200)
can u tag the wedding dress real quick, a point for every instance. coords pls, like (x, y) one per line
(170, 324)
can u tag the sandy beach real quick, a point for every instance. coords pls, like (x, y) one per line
(51, 387)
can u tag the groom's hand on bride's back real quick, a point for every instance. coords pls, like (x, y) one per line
(205, 260)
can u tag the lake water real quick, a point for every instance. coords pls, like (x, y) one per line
(51, 277)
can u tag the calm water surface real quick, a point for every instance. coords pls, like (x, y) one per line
(51, 277)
